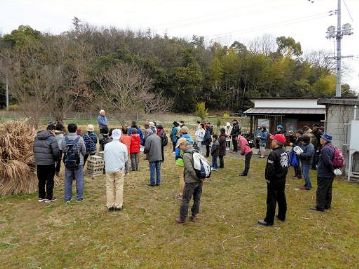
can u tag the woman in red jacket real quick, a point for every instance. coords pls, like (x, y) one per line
(247, 152)
(135, 150)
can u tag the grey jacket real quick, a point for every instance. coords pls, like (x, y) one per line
(46, 149)
(73, 136)
(153, 148)
(308, 153)
(190, 175)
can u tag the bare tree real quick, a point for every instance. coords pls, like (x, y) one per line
(265, 44)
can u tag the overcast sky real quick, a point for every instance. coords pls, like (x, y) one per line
(217, 20)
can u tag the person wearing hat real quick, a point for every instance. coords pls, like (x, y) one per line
(46, 153)
(280, 129)
(116, 157)
(174, 135)
(90, 139)
(325, 174)
(180, 166)
(193, 185)
(275, 175)
(184, 132)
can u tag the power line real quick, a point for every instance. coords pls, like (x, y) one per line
(346, 7)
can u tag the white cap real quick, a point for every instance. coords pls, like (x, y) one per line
(116, 134)
(151, 124)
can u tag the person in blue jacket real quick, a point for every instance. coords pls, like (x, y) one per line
(306, 159)
(102, 121)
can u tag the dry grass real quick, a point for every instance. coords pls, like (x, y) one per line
(17, 168)
(145, 235)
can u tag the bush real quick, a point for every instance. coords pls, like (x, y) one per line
(201, 110)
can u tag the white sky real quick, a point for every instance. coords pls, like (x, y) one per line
(222, 21)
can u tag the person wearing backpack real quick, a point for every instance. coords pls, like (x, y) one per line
(74, 150)
(325, 175)
(90, 140)
(164, 140)
(193, 184)
(306, 159)
(46, 153)
(275, 173)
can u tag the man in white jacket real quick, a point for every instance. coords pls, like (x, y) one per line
(200, 132)
(116, 156)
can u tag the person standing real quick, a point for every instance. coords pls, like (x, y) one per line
(102, 121)
(215, 152)
(325, 175)
(59, 135)
(247, 152)
(297, 142)
(164, 139)
(257, 138)
(263, 141)
(90, 139)
(306, 159)
(135, 150)
(174, 135)
(133, 127)
(46, 153)
(126, 140)
(74, 150)
(222, 147)
(200, 132)
(180, 166)
(228, 135)
(116, 157)
(153, 149)
(234, 135)
(207, 140)
(193, 185)
(275, 174)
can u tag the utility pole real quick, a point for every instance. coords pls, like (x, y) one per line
(338, 33)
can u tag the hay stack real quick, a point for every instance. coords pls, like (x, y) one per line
(17, 166)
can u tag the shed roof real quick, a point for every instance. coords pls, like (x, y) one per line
(283, 111)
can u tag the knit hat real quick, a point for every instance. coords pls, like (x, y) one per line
(116, 134)
(327, 137)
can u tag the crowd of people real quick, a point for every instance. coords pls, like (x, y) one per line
(309, 149)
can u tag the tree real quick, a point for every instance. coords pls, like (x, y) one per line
(288, 47)
(201, 110)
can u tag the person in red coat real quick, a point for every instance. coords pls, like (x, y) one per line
(247, 152)
(135, 150)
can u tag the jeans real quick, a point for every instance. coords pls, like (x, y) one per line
(247, 163)
(45, 175)
(214, 162)
(305, 172)
(135, 160)
(195, 190)
(207, 151)
(155, 172)
(276, 194)
(324, 192)
(78, 174)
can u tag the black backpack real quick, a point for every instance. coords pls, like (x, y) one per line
(72, 155)
(164, 140)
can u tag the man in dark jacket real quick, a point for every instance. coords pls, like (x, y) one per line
(90, 140)
(306, 159)
(275, 174)
(193, 185)
(222, 147)
(153, 149)
(234, 134)
(207, 139)
(46, 151)
(325, 174)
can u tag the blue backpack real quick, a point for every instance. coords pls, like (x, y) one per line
(72, 155)
(293, 159)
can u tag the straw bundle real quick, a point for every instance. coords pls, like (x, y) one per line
(17, 166)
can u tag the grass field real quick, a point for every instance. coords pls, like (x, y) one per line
(145, 235)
